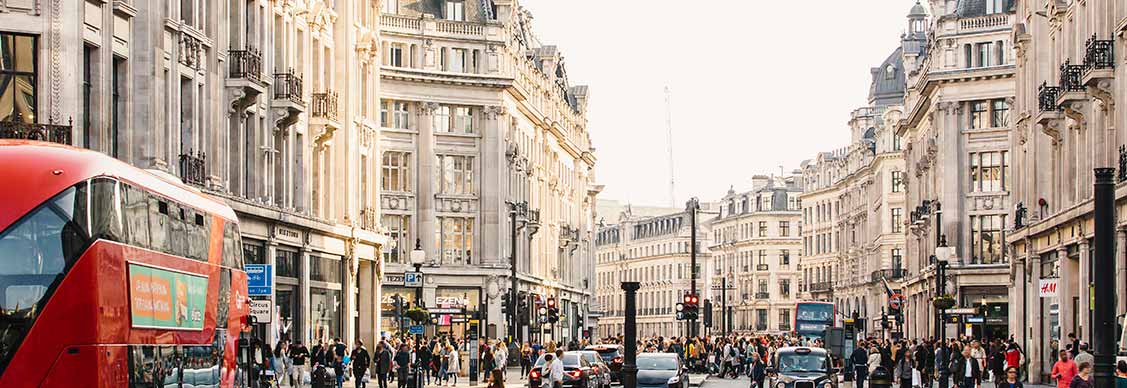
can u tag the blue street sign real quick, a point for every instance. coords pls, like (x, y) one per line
(413, 279)
(415, 329)
(260, 279)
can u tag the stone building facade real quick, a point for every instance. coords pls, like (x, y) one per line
(477, 115)
(755, 247)
(956, 133)
(655, 251)
(230, 97)
(853, 207)
(1070, 75)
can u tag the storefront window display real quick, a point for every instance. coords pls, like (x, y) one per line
(326, 314)
(465, 301)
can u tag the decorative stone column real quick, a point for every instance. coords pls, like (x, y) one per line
(1065, 293)
(1085, 313)
(493, 190)
(425, 181)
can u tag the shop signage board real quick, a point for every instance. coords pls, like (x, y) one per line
(260, 310)
(166, 299)
(449, 301)
(415, 329)
(393, 279)
(1048, 287)
(260, 279)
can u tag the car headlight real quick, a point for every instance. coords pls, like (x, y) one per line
(780, 385)
(674, 380)
(827, 384)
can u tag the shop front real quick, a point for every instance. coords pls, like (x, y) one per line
(991, 306)
(326, 298)
(392, 322)
(457, 311)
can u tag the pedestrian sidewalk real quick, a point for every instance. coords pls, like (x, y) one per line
(513, 378)
(696, 380)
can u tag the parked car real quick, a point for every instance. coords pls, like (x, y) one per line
(612, 355)
(661, 370)
(577, 373)
(802, 367)
(600, 371)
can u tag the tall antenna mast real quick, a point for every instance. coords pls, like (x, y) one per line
(669, 143)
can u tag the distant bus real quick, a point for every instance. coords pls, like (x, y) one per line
(811, 319)
(111, 276)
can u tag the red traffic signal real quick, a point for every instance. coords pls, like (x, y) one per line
(691, 299)
(551, 302)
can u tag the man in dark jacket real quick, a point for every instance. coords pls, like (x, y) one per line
(360, 361)
(860, 360)
(966, 371)
(403, 364)
(383, 363)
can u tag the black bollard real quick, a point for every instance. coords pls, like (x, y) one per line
(1103, 325)
(630, 364)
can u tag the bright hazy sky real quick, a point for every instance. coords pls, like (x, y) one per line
(756, 84)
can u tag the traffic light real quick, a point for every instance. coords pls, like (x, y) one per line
(883, 319)
(707, 313)
(505, 306)
(687, 309)
(553, 312)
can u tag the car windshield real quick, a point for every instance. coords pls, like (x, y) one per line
(657, 363)
(608, 354)
(793, 362)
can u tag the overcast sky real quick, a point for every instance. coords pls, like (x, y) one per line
(755, 83)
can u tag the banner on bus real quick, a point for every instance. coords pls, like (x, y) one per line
(164, 299)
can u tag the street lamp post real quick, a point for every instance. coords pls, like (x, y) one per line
(1103, 317)
(692, 207)
(418, 257)
(520, 217)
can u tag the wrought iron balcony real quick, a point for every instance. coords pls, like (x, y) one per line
(1100, 54)
(1047, 97)
(762, 295)
(193, 168)
(326, 105)
(1122, 163)
(887, 274)
(33, 131)
(761, 267)
(288, 86)
(245, 64)
(1070, 77)
(822, 286)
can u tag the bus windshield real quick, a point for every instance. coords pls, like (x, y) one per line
(812, 319)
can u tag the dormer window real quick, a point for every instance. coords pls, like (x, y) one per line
(456, 10)
(995, 6)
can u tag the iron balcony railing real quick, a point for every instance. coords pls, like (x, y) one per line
(1070, 77)
(326, 105)
(1122, 163)
(887, 274)
(822, 286)
(245, 64)
(288, 86)
(1047, 97)
(34, 131)
(193, 168)
(1100, 54)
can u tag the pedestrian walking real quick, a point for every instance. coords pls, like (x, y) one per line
(360, 359)
(402, 365)
(1083, 379)
(1064, 369)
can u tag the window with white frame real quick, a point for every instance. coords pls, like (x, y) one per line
(455, 174)
(390, 6)
(455, 10)
(462, 120)
(989, 171)
(897, 220)
(455, 236)
(459, 60)
(897, 181)
(399, 228)
(986, 239)
(396, 171)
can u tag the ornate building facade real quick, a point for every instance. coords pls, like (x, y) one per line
(956, 134)
(853, 207)
(478, 119)
(1069, 78)
(231, 98)
(655, 251)
(755, 252)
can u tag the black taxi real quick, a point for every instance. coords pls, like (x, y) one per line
(802, 367)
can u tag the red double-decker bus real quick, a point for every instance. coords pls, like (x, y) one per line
(111, 276)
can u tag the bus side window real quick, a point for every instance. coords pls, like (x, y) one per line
(159, 220)
(232, 246)
(105, 199)
(178, 232)
(136, 214)
(224, 298)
